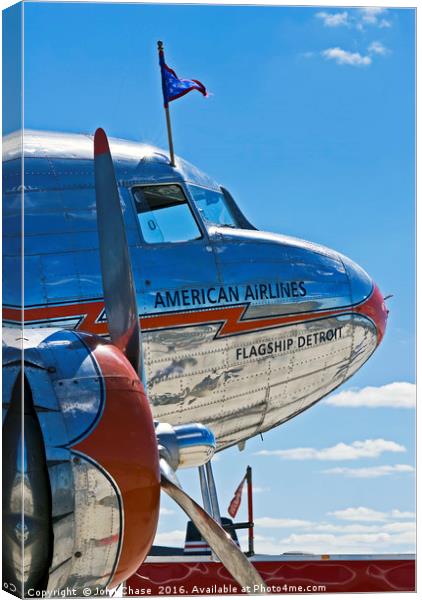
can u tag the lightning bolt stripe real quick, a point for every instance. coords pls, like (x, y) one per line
(231, 319)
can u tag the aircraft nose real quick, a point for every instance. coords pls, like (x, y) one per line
(366, 297)
(375, 309)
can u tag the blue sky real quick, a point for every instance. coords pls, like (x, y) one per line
(310, 124)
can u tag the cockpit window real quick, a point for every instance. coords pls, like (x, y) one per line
(164, 214)
(213, 207)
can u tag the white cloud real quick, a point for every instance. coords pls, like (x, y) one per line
(341, 451)
(358, 530)
(344, 57)
(359, 19)
(170, 538)
(370, 15)
(263, 544)
(257, 489)
(165, 511)
(370, 472)
(377, 48)
(333, 19)
(399, 394)
(406, 526)
(355, 528)
(270, 522)
(359, 543)
(381, 524)
(399, 514)
(362, 513)
(330, 539)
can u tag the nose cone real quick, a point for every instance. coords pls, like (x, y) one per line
(374, 308)
(367, 299)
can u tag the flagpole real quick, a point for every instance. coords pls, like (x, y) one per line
(168, 122)
(250, 512)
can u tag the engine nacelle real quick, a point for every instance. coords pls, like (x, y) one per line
(93, 505)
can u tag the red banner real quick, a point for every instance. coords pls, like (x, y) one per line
(237, 498)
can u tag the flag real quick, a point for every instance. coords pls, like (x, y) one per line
(236, 500)
(173, 87)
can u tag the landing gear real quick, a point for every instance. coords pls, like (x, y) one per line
(209, 494)
(209, 491)
(210, 502)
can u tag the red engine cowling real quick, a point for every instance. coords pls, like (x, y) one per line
(124, 444)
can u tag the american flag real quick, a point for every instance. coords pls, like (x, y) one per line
(237, 498)
(173, 87)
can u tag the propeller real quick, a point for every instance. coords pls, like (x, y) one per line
(123, 324)
(116, 269)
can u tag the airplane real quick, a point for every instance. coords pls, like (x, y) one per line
(159, 327)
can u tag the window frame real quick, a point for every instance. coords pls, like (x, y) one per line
(246, 224)
(192, 208)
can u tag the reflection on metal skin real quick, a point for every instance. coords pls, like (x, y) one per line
(89, 538)
(185, 446)
(261, 387)
(196, 445)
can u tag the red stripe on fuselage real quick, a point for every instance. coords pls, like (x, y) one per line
(230, 318)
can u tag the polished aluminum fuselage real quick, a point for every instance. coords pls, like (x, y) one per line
(242, 330)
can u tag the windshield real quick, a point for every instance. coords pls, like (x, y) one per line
(214, 207)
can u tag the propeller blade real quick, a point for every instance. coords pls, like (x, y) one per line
(219, 541)
(118, 285)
